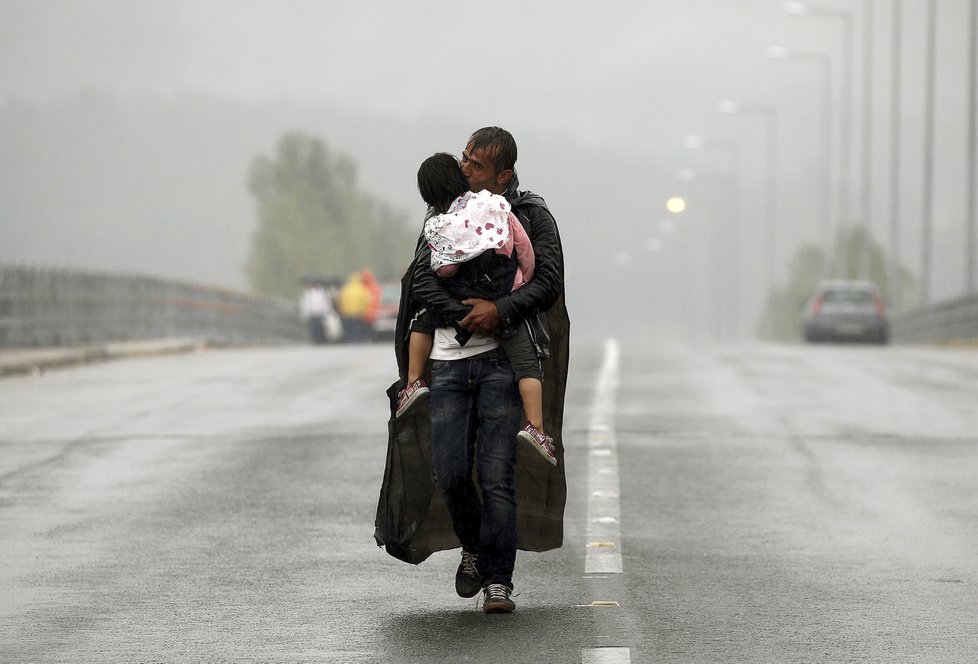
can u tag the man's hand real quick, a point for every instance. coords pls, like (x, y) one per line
(484, 317)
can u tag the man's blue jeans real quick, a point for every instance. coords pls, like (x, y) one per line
(475, 415)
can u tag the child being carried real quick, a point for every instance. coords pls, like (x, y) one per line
(469, 224)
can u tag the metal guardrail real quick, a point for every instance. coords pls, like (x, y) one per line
(57, 307)
(950, 321)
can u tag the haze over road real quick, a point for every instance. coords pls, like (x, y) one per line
(777, 504)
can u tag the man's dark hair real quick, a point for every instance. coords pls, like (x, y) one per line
(498, 144)
(440, 181)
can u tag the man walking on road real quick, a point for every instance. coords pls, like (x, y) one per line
(475, 409)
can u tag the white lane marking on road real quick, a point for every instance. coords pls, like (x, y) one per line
(603, 510)
(605, 656)
(603, 547)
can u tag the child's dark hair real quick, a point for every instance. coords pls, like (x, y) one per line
(440, 181)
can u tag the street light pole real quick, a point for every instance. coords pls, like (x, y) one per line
(867, 136)
(700, 216)
(971, 239)
(894, 257)
(825, 62)
(677, 206)
(770, 115)
(732, 151)
(927, 233)
(845, 133)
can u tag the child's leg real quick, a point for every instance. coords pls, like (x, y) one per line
(531, 391)
(529, 374)
(419, 348)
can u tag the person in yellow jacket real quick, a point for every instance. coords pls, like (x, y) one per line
(354, 304)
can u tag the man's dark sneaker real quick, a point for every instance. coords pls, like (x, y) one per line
(541, 443)
(468, 582)
(496, 599)
(411, 395)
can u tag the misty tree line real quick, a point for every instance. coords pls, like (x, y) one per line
(313, 219)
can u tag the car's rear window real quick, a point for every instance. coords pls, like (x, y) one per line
(852, 296)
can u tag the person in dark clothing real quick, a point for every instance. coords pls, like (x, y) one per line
(473, 397)
(464, 226)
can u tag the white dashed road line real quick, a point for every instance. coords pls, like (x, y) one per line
(603, 555)
(603, 552)
(605, 656)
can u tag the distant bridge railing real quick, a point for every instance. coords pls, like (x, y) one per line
(59, 307)
(950, 321)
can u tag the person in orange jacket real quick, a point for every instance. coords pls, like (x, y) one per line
(370, 282)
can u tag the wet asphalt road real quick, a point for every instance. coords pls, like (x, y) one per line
(778, 504)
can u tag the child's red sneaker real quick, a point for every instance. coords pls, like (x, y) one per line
(413, 394)
(541, 443)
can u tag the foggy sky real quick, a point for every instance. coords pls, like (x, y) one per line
(631, 77)
(628, 71)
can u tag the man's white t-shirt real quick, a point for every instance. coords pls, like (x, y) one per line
(445, 347)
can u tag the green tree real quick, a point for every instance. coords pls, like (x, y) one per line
(313, 219)
(853, 249)
(780, 320)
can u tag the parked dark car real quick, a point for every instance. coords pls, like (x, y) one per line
(846, 311)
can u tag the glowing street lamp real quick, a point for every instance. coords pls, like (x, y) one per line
(796, 8)
(676, 205)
